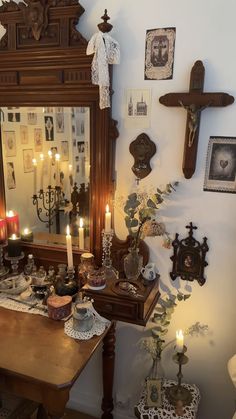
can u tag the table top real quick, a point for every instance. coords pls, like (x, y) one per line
(36, 348)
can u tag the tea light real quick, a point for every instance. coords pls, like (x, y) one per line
(12, 219)
(3, 230)
(14, 246)
(27, 235)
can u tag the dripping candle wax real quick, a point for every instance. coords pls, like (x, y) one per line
(107, 220)
(12, 219)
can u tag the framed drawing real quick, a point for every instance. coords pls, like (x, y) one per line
(28, 160)
(38, 139)
(10, 143)
(59, 121)
(32, 118)
(49, 128)
(159, 54)
(189, 258)
(221, 165)
(24, 134)
(11, 179)
(64, 151)
(153, 393)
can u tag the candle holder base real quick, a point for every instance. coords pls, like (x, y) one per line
(3, 269)
(14, 262)
(179, 393)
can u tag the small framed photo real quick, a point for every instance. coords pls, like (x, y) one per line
(14, 117)
(11, 179)
(32, 118)
(221, 165)
(154, 397)
(10, 143)
(159, 54)
(27, 160)
(64, 151)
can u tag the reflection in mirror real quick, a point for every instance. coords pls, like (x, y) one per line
(46, 158)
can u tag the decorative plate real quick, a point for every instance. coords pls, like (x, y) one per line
(15, 284)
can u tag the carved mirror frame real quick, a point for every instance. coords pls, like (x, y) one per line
(44, 63)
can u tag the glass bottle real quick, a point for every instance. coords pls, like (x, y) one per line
(86, 265)
(133, 263)
(30, 266)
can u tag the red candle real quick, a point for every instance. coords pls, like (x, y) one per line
(3, 230)
(13, 226)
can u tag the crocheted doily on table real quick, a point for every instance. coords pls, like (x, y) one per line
(167, 410)
(97, 329)
(6, 302)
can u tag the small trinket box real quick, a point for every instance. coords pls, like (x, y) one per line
(59, 307)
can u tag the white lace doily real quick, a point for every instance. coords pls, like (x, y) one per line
(6, 302)
(97, 329)
(167, 410)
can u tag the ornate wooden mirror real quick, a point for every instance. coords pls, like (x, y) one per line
(45, 87)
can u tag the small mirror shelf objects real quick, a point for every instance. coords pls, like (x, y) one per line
(189, 257)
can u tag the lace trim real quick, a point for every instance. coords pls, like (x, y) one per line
(97, 329)
(106, 51)
(167, 411)
(18, 306)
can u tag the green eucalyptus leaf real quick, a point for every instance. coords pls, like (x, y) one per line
(158, 198)
(186, 296)
(160, 309)
(164, 332)
(170, 310)
(151, 204)
(180, 297)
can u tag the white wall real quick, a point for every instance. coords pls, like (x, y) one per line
(205, 30)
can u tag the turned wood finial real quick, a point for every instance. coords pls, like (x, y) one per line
(105, 26)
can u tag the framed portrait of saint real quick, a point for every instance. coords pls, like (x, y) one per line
(10, 143)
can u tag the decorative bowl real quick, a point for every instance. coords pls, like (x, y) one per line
(15, 284)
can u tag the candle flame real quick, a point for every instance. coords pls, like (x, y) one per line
(179, 334)
(41, 157)
(107, 208)
(67, 230)
(34, 161)
(10, 213)
(81, 223)
(26, 230)
(50, 153)
(70, 167)
(57, 157)
(13, 236)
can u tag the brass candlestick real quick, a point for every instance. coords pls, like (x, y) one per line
(178, 393)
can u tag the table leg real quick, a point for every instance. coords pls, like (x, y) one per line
(53, 405)
(108, 371)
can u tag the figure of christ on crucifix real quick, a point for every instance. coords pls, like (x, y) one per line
(194, 102)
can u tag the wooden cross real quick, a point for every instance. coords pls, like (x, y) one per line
(194, 102)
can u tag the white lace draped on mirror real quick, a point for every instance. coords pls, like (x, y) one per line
(46, 158)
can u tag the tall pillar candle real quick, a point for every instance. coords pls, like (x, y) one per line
(13, 225)
(107, 220)
(57, 157)
(81, 233)
(69, 248)
(49, 168)
(34, 161)
(14, 246)
(42, 170)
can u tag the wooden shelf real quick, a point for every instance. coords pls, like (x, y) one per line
(115, 304)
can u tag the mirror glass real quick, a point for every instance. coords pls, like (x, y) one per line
(46, 158)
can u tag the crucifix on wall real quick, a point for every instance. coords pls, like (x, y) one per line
(194, 102)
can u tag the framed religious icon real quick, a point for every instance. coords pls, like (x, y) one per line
(159, 54)
(11, 179)
(189, 258)
(154, 398)
(221, 165)
(38, 139)
(49, 128)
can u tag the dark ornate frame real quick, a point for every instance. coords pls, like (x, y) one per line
(189, 257)
(44, 62)
(142, 149)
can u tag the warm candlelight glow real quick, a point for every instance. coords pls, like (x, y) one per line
(70, 167)
(81, 233)
(81, 222)
(50, 153)
(57, 157)
(12, 219)
(107, 219)
(69, 248)
(13, 237)
(67, 230)
(10, 213)
(26, 231)
(34, 161)
(41, 156)
(179, 341)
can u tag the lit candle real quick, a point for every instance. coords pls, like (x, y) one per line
(179, 341)
(57, 157)
(69, 248)
(50, 167)
(34, 161)
(14, 246)
(42, 170)
(27, 235)
(3, 230)
(12, 219)
(107, 220)
(81, 233)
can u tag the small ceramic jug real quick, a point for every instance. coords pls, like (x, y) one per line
(149, 271)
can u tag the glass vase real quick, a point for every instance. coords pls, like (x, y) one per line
(157, 370)
(133, 263)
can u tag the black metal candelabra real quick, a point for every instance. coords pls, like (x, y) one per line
(47, 204)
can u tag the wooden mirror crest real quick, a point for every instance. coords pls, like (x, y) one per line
(44, 63)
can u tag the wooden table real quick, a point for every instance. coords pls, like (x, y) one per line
(39, 362)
